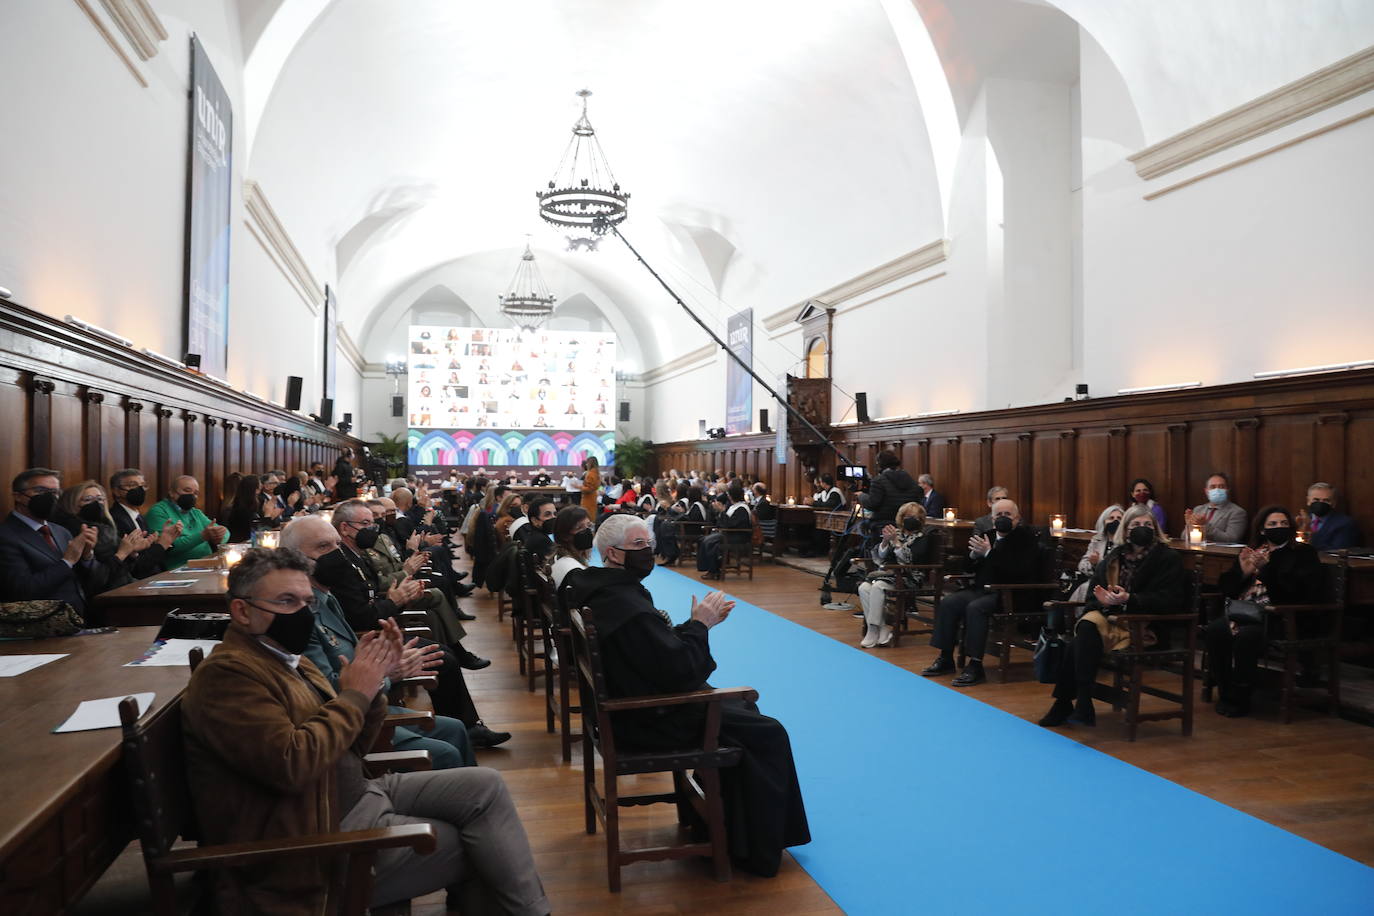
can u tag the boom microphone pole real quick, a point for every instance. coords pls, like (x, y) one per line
(602, 225)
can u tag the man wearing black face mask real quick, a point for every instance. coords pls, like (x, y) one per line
(644, 654)
(37, 559)
(130, 492)
(537, 533)
(199, 536)
(1327, 528)
(1007, 555)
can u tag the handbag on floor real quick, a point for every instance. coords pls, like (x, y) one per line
(1049, 655)
(1244, 612)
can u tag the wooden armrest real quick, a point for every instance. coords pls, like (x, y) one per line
(426, 632)
(397, 761)
(413, 615)
(427, 681)
(411, 718)
(1301, 608)
(709, 695)
(1151, 618)
(950, 576)
(1023, 587)
(1050, 605)
(419, 837)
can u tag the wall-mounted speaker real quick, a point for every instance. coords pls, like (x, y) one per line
(398, 405)
(327, 411)
(861, 406)
(348, 418)
(624, 414)
(293, 392)
(763, 420)
(701, 429)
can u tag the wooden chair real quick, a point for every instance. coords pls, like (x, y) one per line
(1299, 631)
(737, 551)
(1012, 625)
(696, 770)
(559, 672)
(900, 603)
(1128, 665)
(766, 542)
(689, 535)
(164, 812)
(527, 619)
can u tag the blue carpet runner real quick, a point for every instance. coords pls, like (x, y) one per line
(922, 799)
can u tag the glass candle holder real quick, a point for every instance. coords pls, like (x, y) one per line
(231, 558)
(269, 539)
(951, 514)
(1194, 535)
(1056, 524)
(1300, 537)
(791, 500)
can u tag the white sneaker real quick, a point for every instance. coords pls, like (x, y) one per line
(884, 637)
(870, 638)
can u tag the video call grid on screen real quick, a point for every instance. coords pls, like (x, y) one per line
(479, 396)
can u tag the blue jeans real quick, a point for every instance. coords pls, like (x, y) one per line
(447, 742)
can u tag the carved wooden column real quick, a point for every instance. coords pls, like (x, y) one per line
(955, 485)
(165, 472)
(245, 464)
(93, 452)
(214, 474)
(923, 458)
(133, 410)
(1244, 470)
(1116, 458)
(1176, 468)
(1329, 450)
(1026, 472)
(40, 421)
(985, 447)
(1068, 479)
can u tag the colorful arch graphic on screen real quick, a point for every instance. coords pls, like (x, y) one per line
(469, 448)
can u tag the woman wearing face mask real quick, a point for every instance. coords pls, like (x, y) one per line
(1143, 493)
(85, 504)
(572, 542)
(1141, 575)
(1275, 569)
(644, 654)
(905, 542)
(1101, 542)
(508, 510)
(242, 515)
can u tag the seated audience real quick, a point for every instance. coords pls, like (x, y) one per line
(1107, 522)
(891, 489)
(983, 523)
(1143, 494)
(1142, 574)
(765, 511)
(1222, 521)
(243, 514)
(386, 561)
(130, 492)
(572, 542)
(293, 498)
(84, 504)
(906, 541)
(273, 751)
(38, 559)
(1009, 555)
(828, 498)
(734, 521)
(930, 500)
(644, 654)
(511, 508)
(199, 536)
(1274, 569)
(1327, 528)
(537, 533)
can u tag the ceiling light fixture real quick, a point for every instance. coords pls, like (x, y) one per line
(529, 302)
(1308, 370)
(1177, 386)
(583, 193)
(98, 330)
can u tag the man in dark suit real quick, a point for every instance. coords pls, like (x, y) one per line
(39, 560)
(932, 500)
(537, 536)
(1327, 528)
(1008, 555)
(130, 492)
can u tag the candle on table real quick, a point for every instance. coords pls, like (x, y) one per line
(1194, 535)
(1057, 524)
(951, 514)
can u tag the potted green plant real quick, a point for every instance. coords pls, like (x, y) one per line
(391, 449)
(632, 456)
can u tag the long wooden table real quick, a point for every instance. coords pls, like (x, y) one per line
(139, 605)
(65, 815)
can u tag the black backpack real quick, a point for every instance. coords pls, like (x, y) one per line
(502, 571)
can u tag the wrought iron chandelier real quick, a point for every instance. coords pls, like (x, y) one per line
(529, 302)
(583, 193)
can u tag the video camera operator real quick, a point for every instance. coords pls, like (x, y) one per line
(891, 489)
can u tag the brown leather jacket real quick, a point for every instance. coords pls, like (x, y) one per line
(262, 750)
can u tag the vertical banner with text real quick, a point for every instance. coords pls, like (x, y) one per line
(207, 216)
(331, 341)
(739, 385)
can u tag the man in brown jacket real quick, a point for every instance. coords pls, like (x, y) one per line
(272, 751)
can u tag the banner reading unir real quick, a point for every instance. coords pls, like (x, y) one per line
(739, 385)
(207, 216)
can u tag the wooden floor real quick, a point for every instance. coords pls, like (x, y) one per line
(1314, 777)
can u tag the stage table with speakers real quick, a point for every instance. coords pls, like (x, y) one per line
(67, 813)
(147, 602)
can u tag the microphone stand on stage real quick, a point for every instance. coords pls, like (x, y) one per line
(600, 227)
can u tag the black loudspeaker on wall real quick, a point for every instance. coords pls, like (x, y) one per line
(293, 392)
(326, 411)
(624, 415)
(398, 405)
(763, 419)
(348, 418)
(861, 406)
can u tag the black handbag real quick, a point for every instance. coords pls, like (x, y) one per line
(1246, 612)
(1049, 655)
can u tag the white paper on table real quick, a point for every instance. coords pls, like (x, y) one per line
(169, 583)
(172, 652)
(103, 713)
(10, 665)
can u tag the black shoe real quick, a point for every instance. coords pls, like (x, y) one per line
(481, 736)
(1058, 714)
(462, 591)
(465, 616)
(1232, 710)
(474, 663)
(459, 577)
(1084, 714)
(972, 674)
(942, 665)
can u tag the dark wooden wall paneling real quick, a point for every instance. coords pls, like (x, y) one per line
(72, 401)
(1273, 437)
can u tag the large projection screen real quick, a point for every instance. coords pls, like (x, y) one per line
(507, 400)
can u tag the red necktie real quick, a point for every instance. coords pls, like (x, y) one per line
(47, 536)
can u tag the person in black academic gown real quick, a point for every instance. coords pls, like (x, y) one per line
(644, 654)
